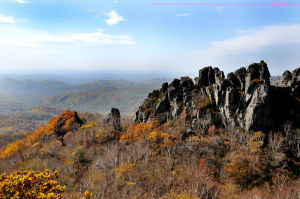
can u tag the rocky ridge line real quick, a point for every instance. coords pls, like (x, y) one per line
(244, 99)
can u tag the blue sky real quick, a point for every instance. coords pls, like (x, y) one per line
(132, 35)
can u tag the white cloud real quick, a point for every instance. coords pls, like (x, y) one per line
(259, 39)
(113, 18)
(30, 49)
(21, 1)
(93, 38)
(269, 43)
(7, 19)
(183, 15)
(16, 37)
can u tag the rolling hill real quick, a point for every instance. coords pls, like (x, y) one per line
(94, 96)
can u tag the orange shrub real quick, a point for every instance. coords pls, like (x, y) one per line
(246, 169)
(138, 131)
(12, 149)
(159, 137)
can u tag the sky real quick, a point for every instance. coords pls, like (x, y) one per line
(133, 35)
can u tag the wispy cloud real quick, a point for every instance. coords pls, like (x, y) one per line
(16, 37)
(257, 40)
(113, 18)
(269, 41)
(7, 19)
(92, 38)
(21, 1)
(183, 15)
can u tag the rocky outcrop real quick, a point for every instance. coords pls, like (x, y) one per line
(113, 119)
(244, 99)
(292, 79)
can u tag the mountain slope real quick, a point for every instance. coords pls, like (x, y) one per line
(16, 125)
(100, 99)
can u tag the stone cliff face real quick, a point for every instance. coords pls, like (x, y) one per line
(244, 99)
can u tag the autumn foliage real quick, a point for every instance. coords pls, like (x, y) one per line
(138, 131)
(30, 185)
(151, 132)
(58, 126)
(150, 160)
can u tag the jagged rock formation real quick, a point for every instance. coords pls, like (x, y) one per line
(113, 119)
(244, 99)
(292, 79)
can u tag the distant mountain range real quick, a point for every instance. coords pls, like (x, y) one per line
(93, 96)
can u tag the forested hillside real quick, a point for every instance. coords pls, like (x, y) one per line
(183, 144)
(148, 160)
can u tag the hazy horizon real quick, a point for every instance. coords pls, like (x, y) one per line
(153, 73)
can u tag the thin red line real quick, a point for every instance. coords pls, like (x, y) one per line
(225, 4)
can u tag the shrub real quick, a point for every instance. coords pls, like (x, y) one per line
(123, 169)
(254, 81)
(247, 169)
(257, 141)
(90, 125)
(12, 149)
(159, 137)
(87, 195)
(177, 196)
(138, 131)
(30, 185)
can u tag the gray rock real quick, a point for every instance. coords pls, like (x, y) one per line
(257, 115)
(165, 87)
(232, 78)
(245, 99)
(162, 106)
(257, 72)
(113, 119)
(209, 76)
(241, 74)
(287, 78)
